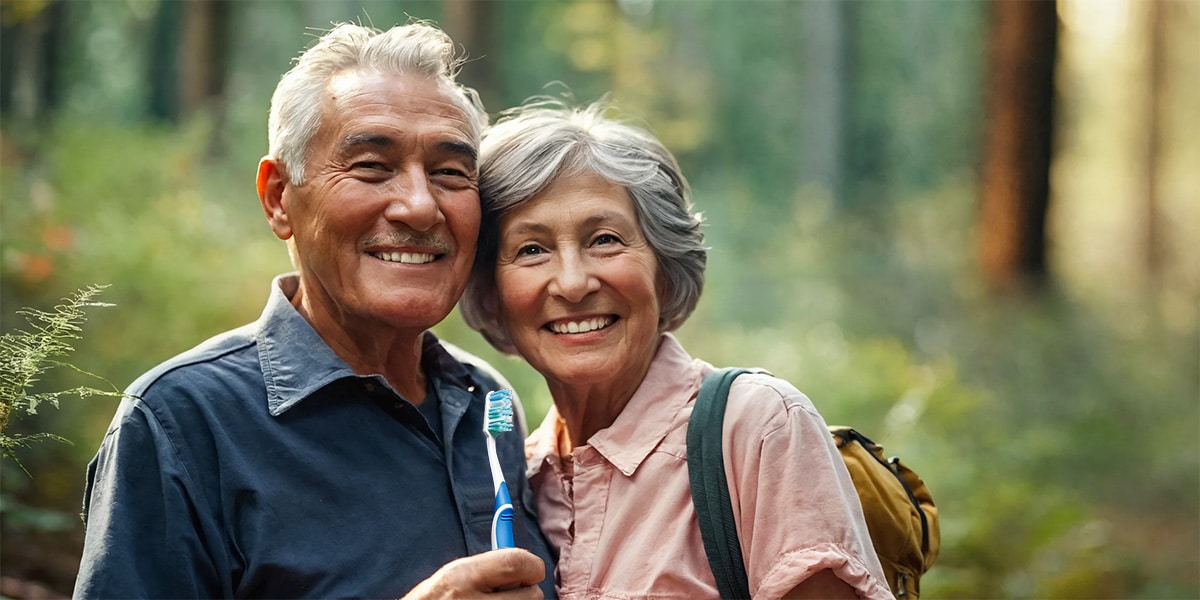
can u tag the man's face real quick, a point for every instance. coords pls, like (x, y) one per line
(384, 228)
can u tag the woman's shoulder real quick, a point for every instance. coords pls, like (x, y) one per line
(761, 400)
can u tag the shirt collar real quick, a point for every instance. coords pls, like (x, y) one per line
(671, 383)
(296, 362)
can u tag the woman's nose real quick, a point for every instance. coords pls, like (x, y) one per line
(573, 279)
(413, 200)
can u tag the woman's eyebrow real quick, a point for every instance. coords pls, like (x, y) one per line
(532, 226)
(526, 227)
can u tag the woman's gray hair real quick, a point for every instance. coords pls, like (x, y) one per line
(532, 146)
(416, 48)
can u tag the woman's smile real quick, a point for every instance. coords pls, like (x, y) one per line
(581, 325)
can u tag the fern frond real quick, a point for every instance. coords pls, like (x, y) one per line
(25, 355)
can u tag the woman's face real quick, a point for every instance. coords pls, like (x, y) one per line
(577, 283)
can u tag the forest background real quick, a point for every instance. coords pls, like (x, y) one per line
(970, 229)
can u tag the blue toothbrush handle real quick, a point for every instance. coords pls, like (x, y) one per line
(502, 519)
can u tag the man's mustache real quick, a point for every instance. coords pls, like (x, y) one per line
(420, 239)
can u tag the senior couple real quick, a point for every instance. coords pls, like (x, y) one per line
(334, 448)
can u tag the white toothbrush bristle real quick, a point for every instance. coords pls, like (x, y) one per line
(499, 416)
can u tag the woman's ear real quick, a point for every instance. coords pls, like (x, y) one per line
(272, 182)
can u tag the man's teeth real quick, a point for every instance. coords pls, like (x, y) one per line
(408, 258)
(581, 326)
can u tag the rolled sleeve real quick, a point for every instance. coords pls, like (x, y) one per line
(796, 508)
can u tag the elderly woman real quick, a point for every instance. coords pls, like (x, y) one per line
(589, 256)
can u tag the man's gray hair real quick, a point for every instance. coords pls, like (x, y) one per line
(534, 145)
(416, 48)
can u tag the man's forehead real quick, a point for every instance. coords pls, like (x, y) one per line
(354, 83)
(357, 104)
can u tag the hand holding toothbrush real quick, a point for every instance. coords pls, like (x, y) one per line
(508, 571)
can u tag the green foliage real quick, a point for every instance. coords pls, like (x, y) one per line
(27, 355)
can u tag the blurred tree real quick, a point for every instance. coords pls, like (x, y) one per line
(32, 57)
(1018, 143)
(189, 59)
(164, 46)
(823, 114)
(469, 23)
(1156, 73)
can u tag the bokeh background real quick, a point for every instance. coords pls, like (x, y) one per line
(970, 229)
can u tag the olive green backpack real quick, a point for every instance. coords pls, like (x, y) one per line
(899, 509)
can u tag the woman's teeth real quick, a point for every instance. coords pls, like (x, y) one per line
(583, 326)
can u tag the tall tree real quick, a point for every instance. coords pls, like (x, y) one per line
(823, 112)
(471, 24)
(1018, 142)
(32, 56)
(189, 58)
(1156, 21)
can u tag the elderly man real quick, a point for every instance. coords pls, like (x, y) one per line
(335, 447)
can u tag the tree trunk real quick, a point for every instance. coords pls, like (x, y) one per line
(189, 58)
(469, 23)
(163, 103)
(204, 51)
(32, 52)
(10, 33)
(1156, 34)
(1018, 143)
(53, 42)
(823, 110)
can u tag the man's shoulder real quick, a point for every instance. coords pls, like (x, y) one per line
(222, 353)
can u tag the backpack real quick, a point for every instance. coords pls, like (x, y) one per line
(900, 513)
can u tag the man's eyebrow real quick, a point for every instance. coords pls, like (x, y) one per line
(463, 149)
(356, 141)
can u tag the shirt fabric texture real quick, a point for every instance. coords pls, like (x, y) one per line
(618, 511)
(258, 464)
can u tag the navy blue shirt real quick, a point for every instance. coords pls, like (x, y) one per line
(259, 465)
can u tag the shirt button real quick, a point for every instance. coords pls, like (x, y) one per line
(370, 387)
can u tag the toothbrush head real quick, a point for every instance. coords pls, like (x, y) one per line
(498, 417)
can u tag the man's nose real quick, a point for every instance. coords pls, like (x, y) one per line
(414, 200)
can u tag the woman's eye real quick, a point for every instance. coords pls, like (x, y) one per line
(529, 250)
(606, 238)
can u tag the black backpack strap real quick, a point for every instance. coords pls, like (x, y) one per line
(710, 489)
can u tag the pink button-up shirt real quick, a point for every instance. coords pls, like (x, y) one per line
(619, 509)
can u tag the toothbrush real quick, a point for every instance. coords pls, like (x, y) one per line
(499, 419)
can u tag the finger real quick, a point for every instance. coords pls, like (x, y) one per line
(508, 568)
(531, 592)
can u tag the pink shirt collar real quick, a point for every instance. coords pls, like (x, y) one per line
(646, 419)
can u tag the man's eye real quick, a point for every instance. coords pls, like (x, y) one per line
(451, 172)
(369, 164)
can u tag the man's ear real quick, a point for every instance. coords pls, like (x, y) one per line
(272, 180)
